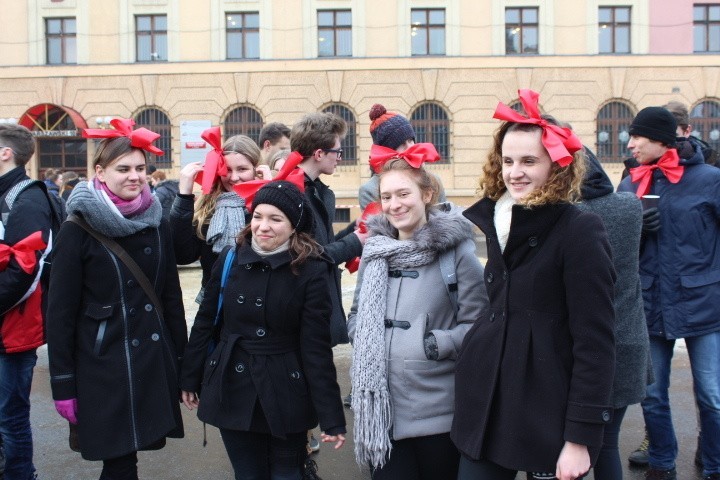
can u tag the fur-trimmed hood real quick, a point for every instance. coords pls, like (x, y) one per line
(446, 228)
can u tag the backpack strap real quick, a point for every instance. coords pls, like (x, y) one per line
(217, 322)
(447, 269)
(12, 195)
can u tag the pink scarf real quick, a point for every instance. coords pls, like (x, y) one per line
(127, 208)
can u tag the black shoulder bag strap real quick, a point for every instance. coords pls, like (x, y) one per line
(134, 268)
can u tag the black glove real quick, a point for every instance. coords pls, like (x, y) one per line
(431, 346)
(651, 220)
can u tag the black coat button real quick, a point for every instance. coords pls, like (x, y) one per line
(505, 275)
(130, 283)
(239, 368)
(248, 266)
(295, 375)
(532, 241)
(213, 363)
(492, 317)
(260, 332)
(241, 299)
(148, 307)
(265, 268)
(606, 416)
(259, 302)
(132, 312)
(155, 337)
(135, 342)
(147, 251)
(490, 277)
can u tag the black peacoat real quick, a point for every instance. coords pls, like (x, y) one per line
(272, 371)
(107, 345)
(536, 370)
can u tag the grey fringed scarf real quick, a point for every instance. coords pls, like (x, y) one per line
(98, 210)
(227, 221)
(370, 394)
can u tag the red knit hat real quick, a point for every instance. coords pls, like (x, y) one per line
(389, 129)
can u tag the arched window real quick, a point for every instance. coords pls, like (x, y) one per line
(155, 120)
(243, 121)
(349, 145)
(613, 123)
(705, 121)
(432, 125)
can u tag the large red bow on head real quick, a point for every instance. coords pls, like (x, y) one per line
(560, 142)
(288, 172)
(669, 165)
(24, 252)
(415, 155)
(215, 165)
(139, 138)
(371, 209)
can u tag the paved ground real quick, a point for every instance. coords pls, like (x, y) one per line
(187, 459)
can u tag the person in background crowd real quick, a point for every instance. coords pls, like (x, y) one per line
(25, 236)
(272, 376)
(685, 130)
(165, 190)
(679, 265)
(114, 347)
(274, 136)
(53, 181)
(278, 160)
(69, 180)
(534, 379)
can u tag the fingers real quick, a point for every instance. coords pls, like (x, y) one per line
(190, 400)
(339, 439)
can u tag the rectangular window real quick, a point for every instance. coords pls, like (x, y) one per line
(521, 30)
(706, 28)
(60, 40)
(151, 38)
(243, 35)
(614, 29)
(342, 215)
(334, 33)
(427, 31)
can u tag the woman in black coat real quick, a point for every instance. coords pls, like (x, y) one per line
(113, 351)
(534, 375)
(271, 376)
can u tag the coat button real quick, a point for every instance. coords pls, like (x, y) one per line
(155, 337)
(295, 375)
(132, 312)
(490, 277)
(248, 266)
(260, 332)
(505, 275)
(213, 363)
(492, 317)
(147, 251)
(606, 416)
(130, 283)
(135, 342)
(259, 302)
(532, 241)
(265, 268)
(239, 368)
(148, 307)
(241, 299)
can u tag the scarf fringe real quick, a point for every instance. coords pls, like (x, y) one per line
(371, 435)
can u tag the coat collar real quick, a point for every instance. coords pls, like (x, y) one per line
(247, 255)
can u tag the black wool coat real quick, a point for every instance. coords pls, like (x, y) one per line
(536, 370)
(272, 371)
(107, 345)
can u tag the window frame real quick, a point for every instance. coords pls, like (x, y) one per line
(155, 36)
(159, 122)
(521, 28)
(249, 123)
(350, 143)
(242, 31)
(64, 37)
(704, 126)
(706, 24)
(614, 25)
(334, 30)
(424, 125)
(613, 118)
(428, 27)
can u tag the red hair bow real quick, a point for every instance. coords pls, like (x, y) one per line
(560, 142)
(373, 208)
(288, 172)
(669, 165)
(215, 165)
(139, 138)
(415, 155)
(24, 252)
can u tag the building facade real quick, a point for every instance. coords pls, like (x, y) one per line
(72, 64)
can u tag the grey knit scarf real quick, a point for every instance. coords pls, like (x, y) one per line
(227, 221)
(98, 210)
(370, 393)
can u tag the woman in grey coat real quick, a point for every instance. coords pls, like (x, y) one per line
(406, 330)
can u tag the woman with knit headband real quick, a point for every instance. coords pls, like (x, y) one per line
(405, 327)
(534, 377)
(115, 330)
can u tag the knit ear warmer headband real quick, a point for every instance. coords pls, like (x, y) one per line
(139, 138)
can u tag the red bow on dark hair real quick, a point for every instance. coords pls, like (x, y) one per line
(139, 138)
(560, 142)
(669, 165)
(24, 252)
(288, 172)
(415, 155)
(371, 209)
(215, 165)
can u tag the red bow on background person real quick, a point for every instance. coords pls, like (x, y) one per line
(215, 165)
(288, 172)
(371, 209)
(669, 165)
(415, 155)
(139, 138)
(560, 142)
(23, 251)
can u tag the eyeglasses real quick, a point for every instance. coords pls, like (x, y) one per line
(338, 151)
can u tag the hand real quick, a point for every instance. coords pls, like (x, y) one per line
(67, 409)
(651, 220)
(263, 172)
(362, 236)
(187, 177)
(431, 346)
(573, 462)
(190, 399)
(339, 438)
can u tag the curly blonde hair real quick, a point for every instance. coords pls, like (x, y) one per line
(563, 185)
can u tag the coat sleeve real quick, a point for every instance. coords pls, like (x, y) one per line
(171, 296)
(472, 299)
(589, 279)
(344, 249)
(186, 244)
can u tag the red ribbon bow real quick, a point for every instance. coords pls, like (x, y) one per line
(288, 172)
(139, 138)
(371, 209)
(24, 252)
(415, 155)
(669, 165)
(215, 165)
(560, 142)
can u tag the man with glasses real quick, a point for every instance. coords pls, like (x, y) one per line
(26, 215)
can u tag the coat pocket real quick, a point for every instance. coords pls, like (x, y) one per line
(700, 294)
(429, 385)
(100, 314)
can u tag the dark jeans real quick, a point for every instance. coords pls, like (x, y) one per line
(431, 457)
(120, 468)
(260, 456)
(16, 372)
(608, 465)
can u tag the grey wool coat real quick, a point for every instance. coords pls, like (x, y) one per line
(422, 390)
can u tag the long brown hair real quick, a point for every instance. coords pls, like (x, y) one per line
(302, 246)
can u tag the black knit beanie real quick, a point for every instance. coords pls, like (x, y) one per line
(655, 123)
(288, 199)
(389, 129)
